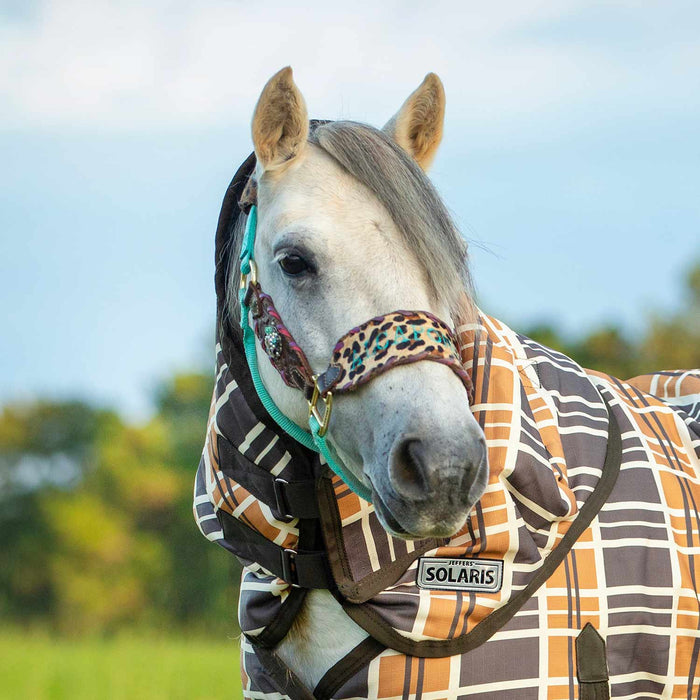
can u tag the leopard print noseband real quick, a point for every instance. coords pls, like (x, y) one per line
(390, 340)
(397, 338)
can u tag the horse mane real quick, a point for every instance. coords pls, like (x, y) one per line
(412, 201)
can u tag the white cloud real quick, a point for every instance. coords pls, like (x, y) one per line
(134, 65)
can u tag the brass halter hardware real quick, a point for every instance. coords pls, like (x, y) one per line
(251, 277)
(325, 419)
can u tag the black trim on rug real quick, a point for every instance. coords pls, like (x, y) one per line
(280, 674)
(310, 539)
(368, 586)
(280, 624)
(339, 674)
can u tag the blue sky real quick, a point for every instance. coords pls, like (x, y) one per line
(571, 161)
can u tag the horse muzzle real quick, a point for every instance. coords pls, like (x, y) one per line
(430, 483)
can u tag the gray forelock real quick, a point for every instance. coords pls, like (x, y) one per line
(404, 190)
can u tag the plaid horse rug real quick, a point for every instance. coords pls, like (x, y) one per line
(589, 525)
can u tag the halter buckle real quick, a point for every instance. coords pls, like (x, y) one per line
(327, 400)
(249, 278)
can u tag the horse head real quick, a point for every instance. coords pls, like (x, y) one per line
(350, 228)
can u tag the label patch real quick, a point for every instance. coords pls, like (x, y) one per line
(473, 575)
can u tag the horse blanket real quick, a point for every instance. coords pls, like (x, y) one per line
(631, 574)
(575, 575)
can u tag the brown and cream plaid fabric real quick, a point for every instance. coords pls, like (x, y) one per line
(632, 574)
(231, 420)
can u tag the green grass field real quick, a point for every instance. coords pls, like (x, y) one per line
(37, 666)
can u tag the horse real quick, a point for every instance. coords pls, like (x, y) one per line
(445, 509)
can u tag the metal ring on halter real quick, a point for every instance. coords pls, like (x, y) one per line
(325, 419)
(249, 277)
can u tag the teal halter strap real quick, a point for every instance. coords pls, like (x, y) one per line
(313, 439)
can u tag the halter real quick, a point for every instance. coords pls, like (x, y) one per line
(365, 352)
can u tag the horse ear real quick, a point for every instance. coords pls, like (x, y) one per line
(280, 122)
(417, 126)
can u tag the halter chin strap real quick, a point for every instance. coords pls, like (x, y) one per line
(376, 346)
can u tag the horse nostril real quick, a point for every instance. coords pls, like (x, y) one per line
(422, 470)
(408, 470)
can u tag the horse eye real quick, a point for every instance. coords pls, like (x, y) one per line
(293, 265)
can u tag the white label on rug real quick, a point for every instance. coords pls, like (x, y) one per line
(473, 575)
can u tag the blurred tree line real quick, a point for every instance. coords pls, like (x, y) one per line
(96, 526)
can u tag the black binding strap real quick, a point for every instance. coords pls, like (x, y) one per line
(307, 569)
(340, 673)
(288, 684)
(277, 628)
(287, 499)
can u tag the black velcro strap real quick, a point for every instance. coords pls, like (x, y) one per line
(287, 499)
(300, 568)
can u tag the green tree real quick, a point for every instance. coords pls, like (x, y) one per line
(96, 523)
(44, 447)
